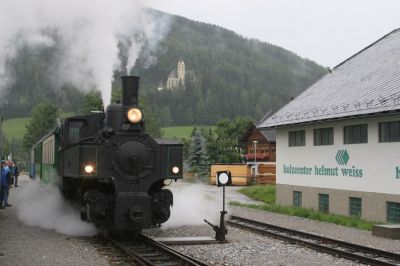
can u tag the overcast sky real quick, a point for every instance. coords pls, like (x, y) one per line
(326, 32)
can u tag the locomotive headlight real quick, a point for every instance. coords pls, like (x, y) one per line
(89, 169)
(175, 170)
(134, 115)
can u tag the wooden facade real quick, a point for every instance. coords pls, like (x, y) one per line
(258, 159)
(240, 173)
(265, 148)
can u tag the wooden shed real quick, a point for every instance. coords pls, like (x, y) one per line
(240, 173)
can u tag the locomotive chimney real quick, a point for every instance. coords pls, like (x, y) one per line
(130, 91)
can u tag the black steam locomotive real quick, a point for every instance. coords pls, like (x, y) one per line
(108, 164)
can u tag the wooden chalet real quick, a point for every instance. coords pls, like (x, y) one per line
(259, 156)
(258, 145)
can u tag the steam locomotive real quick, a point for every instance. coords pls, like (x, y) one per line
(107, 164)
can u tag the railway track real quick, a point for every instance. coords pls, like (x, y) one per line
(143, 251)
(334, 247)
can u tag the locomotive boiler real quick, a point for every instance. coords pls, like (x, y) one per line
(111, 166)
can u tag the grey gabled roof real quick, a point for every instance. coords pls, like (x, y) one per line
(367, 83)
(173, 74)
(269, 134)
(167, 141)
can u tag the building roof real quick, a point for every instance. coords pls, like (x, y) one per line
(173, 74)
(368, 83)
(268, 134)
(167, 141)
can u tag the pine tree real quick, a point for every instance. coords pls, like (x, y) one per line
(197, 156)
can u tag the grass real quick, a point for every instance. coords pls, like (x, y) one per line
(15, 128)
(180, 132)
(266, 194)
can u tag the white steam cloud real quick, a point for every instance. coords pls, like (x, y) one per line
(192, 204)
(43, 206)
(89, 32)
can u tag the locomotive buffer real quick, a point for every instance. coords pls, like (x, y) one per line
(224, 178)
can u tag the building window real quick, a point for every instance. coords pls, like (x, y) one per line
(355, 206)
(323, 200)
(297, 198)
(389, 131)
(297, 138)
(323, 136)
(393, 212)
(356, 134)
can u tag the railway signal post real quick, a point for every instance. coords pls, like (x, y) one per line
(224, 178)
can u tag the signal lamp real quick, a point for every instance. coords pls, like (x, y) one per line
(134, 115)
(175, 170)
(89, 169)
(224, 178)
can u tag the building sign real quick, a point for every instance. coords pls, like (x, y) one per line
(397, 172)
(342, 158)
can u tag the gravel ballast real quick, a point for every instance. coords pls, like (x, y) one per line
(29, 245)
(247, 248)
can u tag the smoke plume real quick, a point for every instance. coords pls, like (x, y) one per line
(88, 31)
(43, 206)
(192, 204)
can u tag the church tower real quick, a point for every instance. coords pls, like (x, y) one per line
(181, 71)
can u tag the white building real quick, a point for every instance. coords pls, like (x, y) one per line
(177, 76)
(338, 143)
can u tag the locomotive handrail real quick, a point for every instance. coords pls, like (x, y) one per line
(78, 142)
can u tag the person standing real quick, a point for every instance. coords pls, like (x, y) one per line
(16, 174)
(5, 184)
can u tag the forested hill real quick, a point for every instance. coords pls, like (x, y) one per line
(233, 75)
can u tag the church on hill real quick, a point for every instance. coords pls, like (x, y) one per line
(177, 76)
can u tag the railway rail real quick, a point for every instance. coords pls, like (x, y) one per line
(144, 251)
(334, 247)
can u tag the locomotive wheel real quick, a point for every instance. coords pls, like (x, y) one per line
(162, 202)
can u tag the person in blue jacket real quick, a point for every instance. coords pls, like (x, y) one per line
(5, 185)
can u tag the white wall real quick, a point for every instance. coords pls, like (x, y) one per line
(378, 161)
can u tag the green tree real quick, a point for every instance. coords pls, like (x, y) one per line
(92, 102)
(44, 117)
(152, 123)
(5, 145)
(223, 144)
(197, 155)
(165, 116)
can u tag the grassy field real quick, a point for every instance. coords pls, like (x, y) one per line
(266, 194)
(179, 132)
(15, 128)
